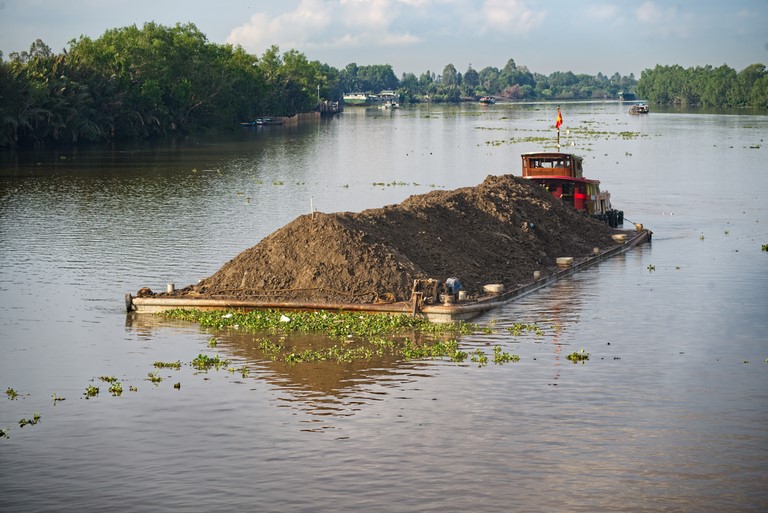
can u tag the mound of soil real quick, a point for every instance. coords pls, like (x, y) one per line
(497, 232)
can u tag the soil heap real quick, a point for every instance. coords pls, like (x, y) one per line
(497, 232)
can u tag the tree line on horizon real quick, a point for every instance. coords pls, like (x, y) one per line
(705, 86)
(155, 81)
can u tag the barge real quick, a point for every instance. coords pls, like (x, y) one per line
(426, 300)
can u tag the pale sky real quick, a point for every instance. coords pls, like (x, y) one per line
(583, 36)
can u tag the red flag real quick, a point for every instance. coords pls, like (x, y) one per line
(559, 119)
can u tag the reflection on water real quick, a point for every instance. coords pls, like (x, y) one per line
(668, 413)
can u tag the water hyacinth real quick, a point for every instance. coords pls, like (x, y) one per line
(334, 324)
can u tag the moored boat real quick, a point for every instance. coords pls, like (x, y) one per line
(262, 122)
(488, 100)
(562, 175)
(641, 108)
(357, 99)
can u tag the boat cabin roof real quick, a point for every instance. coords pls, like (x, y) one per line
(552, 164)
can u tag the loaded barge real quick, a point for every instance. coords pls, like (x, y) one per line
(426, 301)
(560, 173)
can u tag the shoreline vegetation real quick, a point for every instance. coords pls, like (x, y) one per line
(154, 81)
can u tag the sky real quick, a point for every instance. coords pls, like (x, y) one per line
(414, 36)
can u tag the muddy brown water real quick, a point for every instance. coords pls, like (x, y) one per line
(668, 414)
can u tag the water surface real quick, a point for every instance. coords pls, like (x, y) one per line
(668, 414)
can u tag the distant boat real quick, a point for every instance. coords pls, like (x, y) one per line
(639, 109)
(357, 99)
(262, 121)
(488, 100)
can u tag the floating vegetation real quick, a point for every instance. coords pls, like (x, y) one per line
(393, 184)
(91, 391)
(133, 388)
(243, 370)
(651, 268)
(116, 388)
(500, 357)
(577, 357)
(154, 378)
(168, 365)
(4, 433)
(334, 324)
(12, 394)
(479, 357)
(765, 247)
(204, 362)
(278, 182)
(518, 328)
(57, 399)
(30, 422)
(212, 342)
(108, 379)
(177, 386)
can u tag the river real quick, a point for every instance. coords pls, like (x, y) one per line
(670, 412)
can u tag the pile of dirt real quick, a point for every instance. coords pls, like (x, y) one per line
(497, 232)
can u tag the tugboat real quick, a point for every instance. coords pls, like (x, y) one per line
(562, 175)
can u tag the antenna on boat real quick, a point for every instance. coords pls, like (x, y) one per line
(558, 122)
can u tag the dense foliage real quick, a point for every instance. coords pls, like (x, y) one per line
(156, 81)
(512, 82)
(705, 86)
(146, 82)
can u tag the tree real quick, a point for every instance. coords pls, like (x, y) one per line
(449, 76)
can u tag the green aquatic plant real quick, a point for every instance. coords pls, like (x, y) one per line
(177, 386)
(108, 379)
(133, 388)
(212, 342)
(765, 247)
(12, 394)
(335, 324)
(518, 328)
(651, 268)
(168, 365)
(204, 362)
(4, 433)
(30, 422)
(116, 388)
(57, 399)
(500, 357)
(243, 370)
(154, 377)
(479, 357)
(91, 391)
(580, 356)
